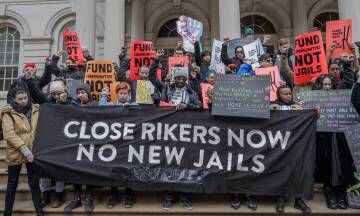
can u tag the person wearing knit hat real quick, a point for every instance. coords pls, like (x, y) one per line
(249, 32)
(29, 70)
(83, 93)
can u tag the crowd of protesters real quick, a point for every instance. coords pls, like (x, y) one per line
(334, 167)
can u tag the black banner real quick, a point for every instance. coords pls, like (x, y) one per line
(242, 96)
(337, 110)
(158, 148)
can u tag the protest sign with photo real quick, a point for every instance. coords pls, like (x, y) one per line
(159, 148)
(337, 110)
(141, 53)
(253, 51)
(190, 30)
(274, 74)
(144, 90)
(174, 63)
(339, 33)
(310, 58)
(73, 48)
(241, 96)
(101, 74)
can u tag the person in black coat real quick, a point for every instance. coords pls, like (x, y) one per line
(202, 60)
(71, 70)
(238, 60)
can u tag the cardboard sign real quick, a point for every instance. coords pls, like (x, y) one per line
(182, 62)
(339, 33)
(253, 51)
(73, 48)
(204, 89)
(144, 90)
(101, 74)
(190, 30)
(141, 53)
(352, 135)
(310, 58)
(241, 96)
(274, 74)
(233, 44)
(337, 110)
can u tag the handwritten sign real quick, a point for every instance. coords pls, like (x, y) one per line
(144, 90)
(274, 74)
(352, 134)
(339, 32)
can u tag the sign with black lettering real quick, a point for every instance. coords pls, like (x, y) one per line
(310, 58)
(147, 148)
(101, 74)
(352, 134)
(141, 53)
(241, 96)
(337, 110)
(73, 48)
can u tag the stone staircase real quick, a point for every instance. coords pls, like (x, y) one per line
(148, 203)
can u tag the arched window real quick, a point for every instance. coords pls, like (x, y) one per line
(9, 56)
(320, 20)
(259, 24)
(168, 29)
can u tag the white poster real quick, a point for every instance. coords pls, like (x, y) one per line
(253, 51)
(190, 30)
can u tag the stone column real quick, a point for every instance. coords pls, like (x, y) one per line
(137, 19)
(86, 23)
(300, 20)
(229, 19)
(349, 9)
(114, 36)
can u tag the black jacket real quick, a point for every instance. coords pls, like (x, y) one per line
(204, 66)
(347, 76)
(167, 89)
(72, 73)
(226, 60)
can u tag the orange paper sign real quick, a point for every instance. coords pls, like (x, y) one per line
(310, 59)
(204, 88)
(141, 53)
(73, 48)
(339, 33)
(101, 74)
(274, 79)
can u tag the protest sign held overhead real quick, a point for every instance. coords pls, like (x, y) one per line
(337, 110)
(144, 90)
(274, 74)
(253, 51)
(339, 35)
(190, 30)
(310, 58)
(177, 62)
(73, 48)
(238, 42)
(241, 96)
(160, 148)
(101, 74)
(141, 53)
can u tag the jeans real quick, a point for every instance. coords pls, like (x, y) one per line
(169, 195)
(88, 192)
(13, 179)
(45, 185)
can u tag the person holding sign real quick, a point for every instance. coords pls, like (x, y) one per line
(202, 60)
(238, 60)
(71, 70)
(334, 166)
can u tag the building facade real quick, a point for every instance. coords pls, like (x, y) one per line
(30, 30)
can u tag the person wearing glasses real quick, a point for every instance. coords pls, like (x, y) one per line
(238, 60)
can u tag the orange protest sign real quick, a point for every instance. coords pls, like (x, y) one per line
(101, 74)
(339, 33)
(204, 89)
(73, 48)
(177, 62)
(274, 79)
(310, 58)
(141, 53)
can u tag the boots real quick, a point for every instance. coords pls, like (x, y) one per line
(301, 205)
(58, 200)
(75, 203)
(46, 198)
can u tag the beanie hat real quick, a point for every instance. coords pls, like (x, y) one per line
(31, 65)
(264, 57)
(86, 87)
(57, 86)
(248, 31)
(209, 72)
(181, 71)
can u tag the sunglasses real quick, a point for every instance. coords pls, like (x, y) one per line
(268, 60)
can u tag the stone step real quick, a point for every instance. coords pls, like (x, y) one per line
(149, 204)
(4, 176)
(3, 163)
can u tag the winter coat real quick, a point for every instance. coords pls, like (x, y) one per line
(347, 76)
(226, 60)
(167, 90)
(204, 66)
(64, 73)
(18, 132)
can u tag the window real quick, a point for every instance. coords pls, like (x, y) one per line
(168, 29)
(259, 24)
(9, 56)
(320, 20)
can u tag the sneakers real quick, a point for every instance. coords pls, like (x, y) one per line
(72, 205)
(111, 202)
(166, 204)
(235, 202)
(45, 198)
(58, 200)
(301, 205)
(251, 203)
(186, 204)
(280, 205)
(129, 201)
(89, 205)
